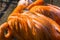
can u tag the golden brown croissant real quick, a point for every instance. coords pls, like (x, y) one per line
(29, 25)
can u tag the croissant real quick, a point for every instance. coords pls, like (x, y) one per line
(29, 26)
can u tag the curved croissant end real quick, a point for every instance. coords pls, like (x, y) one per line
(37, 2)
(4, 27)
(56, 13)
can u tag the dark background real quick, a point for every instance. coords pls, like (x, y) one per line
(13, 4)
